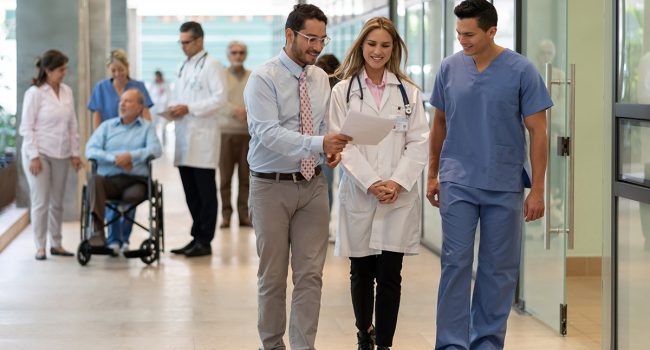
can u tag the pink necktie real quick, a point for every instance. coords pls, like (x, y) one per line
(307, 165)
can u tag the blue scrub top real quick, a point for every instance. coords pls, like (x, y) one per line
(485, 146)
(106, 101)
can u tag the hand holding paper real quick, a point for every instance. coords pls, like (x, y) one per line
(366, 129)
(167, 114)
(334, 143)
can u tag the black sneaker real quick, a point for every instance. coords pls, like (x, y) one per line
(366, 340)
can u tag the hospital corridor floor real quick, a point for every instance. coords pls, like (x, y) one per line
(199, 303)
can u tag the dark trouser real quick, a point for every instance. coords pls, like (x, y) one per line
(201, 196)
(386, 269)
(125, 188)
(234, 149)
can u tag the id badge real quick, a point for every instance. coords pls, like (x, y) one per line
(401, 124)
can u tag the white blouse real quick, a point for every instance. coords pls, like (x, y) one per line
(49, 123)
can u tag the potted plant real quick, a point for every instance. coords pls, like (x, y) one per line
(8, 171)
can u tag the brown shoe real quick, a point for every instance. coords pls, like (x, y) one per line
(225, 223)
(246, 222)
(40, 254)
(60, 251)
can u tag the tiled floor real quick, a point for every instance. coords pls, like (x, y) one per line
(583, 300)
(203, 303)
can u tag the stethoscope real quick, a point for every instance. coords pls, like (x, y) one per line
(200, 61)
(405, 99)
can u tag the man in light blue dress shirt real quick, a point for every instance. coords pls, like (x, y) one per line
(290, 213)
(486, 97)
(121, 147)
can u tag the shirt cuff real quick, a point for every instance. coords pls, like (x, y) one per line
(317, 144)
(110, 158)
(370, 182)
(31, 154)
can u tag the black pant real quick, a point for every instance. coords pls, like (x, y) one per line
(201, 196)
(386, 268)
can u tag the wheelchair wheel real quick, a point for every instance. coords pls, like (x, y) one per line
(83, 217)
(83, 253)
(160, 226)
(150, 246)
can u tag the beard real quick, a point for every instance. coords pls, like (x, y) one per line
(301, 56)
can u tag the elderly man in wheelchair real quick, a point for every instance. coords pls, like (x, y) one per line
(120, 152)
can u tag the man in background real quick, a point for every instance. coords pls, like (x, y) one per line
(234, 137)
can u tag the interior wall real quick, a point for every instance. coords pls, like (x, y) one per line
(589, 51)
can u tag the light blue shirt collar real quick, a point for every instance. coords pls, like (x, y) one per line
(118, 121)
(292, 66)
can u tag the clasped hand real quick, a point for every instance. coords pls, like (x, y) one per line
(178, 111)
(386, 192)
(124, 161)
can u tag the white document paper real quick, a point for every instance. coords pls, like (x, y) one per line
(366, 129)
(167, 114)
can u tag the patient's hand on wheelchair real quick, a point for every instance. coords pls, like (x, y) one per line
(123, 160)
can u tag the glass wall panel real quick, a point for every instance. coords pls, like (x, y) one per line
(634, 52)
(633, 266)
(451, 43)
(401, 20)
(431, 223)
(433, 42)
(634, 151)
(414, 35)
(506, 27)
(8, 82)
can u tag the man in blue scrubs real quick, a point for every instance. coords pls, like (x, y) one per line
(485, 97)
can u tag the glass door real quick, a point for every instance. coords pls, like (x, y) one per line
(542, 288)
(631, 177)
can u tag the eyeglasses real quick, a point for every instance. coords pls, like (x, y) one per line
(232, 53)
(185, 42)
(312, 40)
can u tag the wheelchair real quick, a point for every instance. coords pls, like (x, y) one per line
(150, 248)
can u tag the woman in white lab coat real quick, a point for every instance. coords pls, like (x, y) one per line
(379, 192)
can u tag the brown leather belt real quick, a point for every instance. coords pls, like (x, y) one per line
(295, 177)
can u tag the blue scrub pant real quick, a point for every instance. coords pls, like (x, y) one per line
(119, 231)
(482, 325)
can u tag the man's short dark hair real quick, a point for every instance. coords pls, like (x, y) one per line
(301, 13)
(194, 28)
(482, 10)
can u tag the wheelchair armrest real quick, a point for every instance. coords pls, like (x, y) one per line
(93, 165)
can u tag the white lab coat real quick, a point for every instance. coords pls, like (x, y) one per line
(365, 226)
(202, 87)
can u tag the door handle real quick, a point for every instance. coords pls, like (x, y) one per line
(572, 155)
(548, 230)
(549, 117)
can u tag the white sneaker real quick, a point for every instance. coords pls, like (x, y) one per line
(125, 248)
(115, 247)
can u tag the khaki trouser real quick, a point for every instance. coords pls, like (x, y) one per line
(234, 149)
(46, 192)
(291, 226)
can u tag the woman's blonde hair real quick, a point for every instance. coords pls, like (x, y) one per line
(119, 55)
(354, 63)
